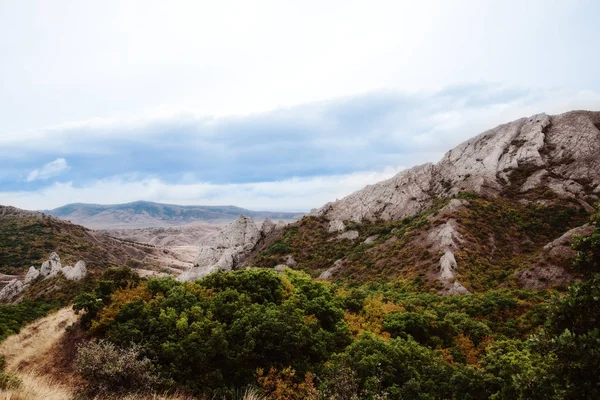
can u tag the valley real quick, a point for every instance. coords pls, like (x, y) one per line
(479, 272)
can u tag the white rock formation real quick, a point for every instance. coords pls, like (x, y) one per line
(370, 239)
(336, 226)
(75, 273)
(267, 227)
(32, 274)
(328, 273)
(51, 267)
(12, 289)
(225, 249)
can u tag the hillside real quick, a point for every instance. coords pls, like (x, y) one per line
(499, 210)
(144, 214)
(28, 238)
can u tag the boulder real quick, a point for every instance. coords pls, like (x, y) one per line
(75, 273)
(12, 289)
(336, 226)
(32, 274)
(51, 267)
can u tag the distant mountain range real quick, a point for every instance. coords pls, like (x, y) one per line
(145, 214)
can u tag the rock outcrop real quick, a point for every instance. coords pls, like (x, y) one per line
(32, 275)
(49, 269)
(549, 268)
(557, 150)
(226, 249)
(11, 290)
(559, 153)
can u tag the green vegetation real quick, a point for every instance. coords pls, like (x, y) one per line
(506, 236)
(7, 380)
(299, 338)
(29, 240)
(14, 316)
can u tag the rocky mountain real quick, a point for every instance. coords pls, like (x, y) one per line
(499, 209)
(143, 214)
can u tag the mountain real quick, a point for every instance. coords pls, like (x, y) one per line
(501, 209)
(144, 214)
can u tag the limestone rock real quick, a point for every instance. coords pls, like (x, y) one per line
(447, 266)
(566, 145)
(290, 262)
(267, 227)
(225, 249)
(12, 289)
(534, 180)
(370, 239)
(51, 267)
(75, 273)
(336, 226)
(32, 274)
(328, 273)
(457, 288)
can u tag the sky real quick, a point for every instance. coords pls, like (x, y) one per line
(269, 105)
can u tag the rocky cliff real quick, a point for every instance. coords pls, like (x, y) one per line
(229, 248)
(559, 152)
(492, 203)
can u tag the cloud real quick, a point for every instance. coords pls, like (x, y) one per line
(52, 169)
(293, 194)
(350, 136)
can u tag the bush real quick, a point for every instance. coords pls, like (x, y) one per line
(108, 369)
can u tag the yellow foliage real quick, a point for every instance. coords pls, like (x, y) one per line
(371, 318)
(284, 385)
(120, 298)
(467, 348)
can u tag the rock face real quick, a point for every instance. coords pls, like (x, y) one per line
(559, 153)
(564, 146)
(549, 266)
(51, 267)
(12, 289)
(226, 249)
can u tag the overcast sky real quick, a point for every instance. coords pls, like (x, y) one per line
(277, 105)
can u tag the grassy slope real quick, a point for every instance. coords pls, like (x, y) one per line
(28, 240)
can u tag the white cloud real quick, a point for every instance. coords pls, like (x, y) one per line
(50, 170)
(297, 194)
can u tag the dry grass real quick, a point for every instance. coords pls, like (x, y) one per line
(29, 350)
(32, 356)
